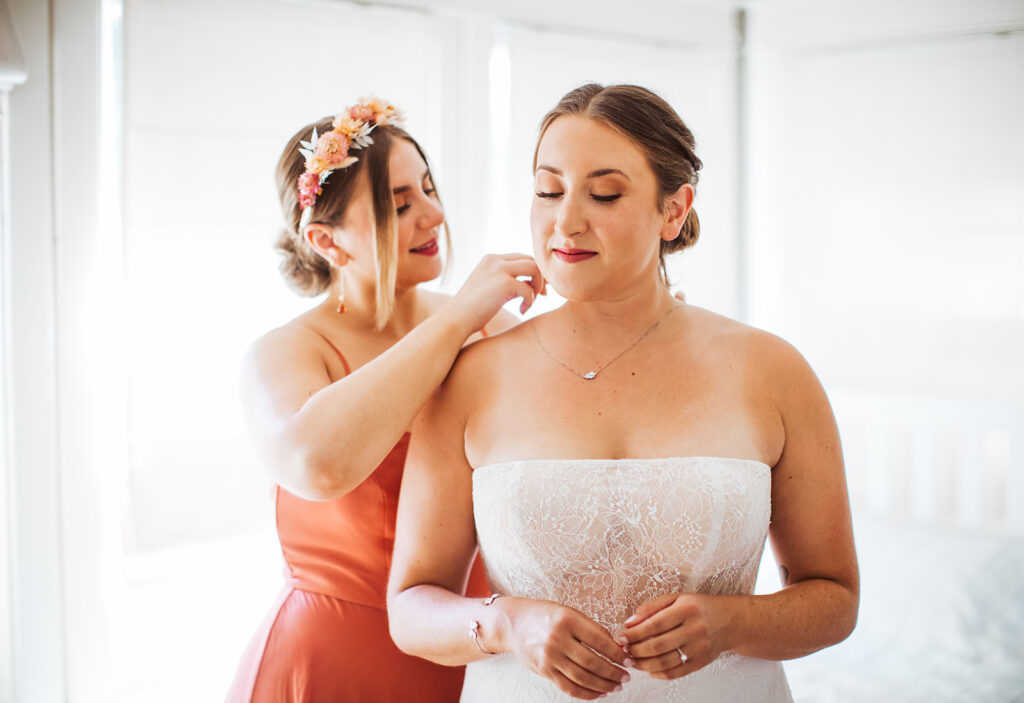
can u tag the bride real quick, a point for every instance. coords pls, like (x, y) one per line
(622, 459)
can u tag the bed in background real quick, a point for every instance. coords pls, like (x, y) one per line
(937, 489)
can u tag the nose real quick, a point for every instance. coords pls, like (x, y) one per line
(570, 219)
(432, 214)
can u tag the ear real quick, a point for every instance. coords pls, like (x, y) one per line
(677, 207)
(321, 238)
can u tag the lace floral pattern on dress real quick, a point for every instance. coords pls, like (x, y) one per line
(604, 537)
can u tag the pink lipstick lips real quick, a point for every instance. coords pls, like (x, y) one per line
(572, 256)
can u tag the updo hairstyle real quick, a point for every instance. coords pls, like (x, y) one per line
(305, 271)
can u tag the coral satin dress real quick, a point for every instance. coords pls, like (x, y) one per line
(326, 638)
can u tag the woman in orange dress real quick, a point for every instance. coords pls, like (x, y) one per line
(329, 397)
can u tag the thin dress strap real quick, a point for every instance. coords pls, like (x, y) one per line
(344, 361)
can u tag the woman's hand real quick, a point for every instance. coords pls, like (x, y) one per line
(564, 646)
(497, 279)
(664, 629)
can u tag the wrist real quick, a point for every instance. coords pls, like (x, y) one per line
(734, 614)
(495, 624)
(457, 324)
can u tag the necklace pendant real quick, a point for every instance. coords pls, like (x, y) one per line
(589, 375)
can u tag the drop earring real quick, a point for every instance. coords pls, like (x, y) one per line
(341, 293)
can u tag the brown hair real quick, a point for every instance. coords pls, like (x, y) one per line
(306, 271)
(652, 124)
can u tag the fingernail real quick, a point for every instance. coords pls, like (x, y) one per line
(625, 678)
(621, 639)
(616, 689)
(629, 662)
(631, 619)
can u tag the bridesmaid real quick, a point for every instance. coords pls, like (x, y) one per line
(330, 395)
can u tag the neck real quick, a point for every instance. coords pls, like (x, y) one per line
(361, 306)
(624, 313)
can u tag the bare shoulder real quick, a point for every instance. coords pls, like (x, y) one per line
(295, 342)
(481, 363)
(754, 346)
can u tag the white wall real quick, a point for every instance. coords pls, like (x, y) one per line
(886, 233)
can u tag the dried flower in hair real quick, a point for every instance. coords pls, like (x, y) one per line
(309, 188)
(330, 151)
(332, 148)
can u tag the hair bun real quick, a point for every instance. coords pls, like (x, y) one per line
(303, 270)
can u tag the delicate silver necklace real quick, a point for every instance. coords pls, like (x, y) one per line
(591, 375)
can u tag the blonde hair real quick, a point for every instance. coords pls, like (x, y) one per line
(650, 123)
(304, 269)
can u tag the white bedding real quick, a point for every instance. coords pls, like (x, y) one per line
(941, 619)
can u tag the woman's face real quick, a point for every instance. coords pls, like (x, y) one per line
(595, 217)
(419, 215)
(417, 211)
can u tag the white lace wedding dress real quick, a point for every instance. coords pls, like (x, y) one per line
(604, 536)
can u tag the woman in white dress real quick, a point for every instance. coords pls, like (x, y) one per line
(621, 460)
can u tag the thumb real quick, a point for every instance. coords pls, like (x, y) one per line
(650, 608)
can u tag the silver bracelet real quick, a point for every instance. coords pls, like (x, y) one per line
(474, 628)
(474, 632)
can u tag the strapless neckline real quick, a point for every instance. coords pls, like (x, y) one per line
(641, 462)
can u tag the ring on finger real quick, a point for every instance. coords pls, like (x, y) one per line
(682, 656)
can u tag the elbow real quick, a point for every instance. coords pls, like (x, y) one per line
(848, 618)
(308, 476)
(399, 634)
(323, 481)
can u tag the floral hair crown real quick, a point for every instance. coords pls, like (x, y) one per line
(329, 152)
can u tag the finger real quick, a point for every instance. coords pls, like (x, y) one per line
(664, 620)
(675, 672)
(528, 295)
(537, 280)
(597, 638)
(651, 607)
(661, 662)
(587, 679)
(597, 665)
(660, 644)
(573, 688)
(520, 267)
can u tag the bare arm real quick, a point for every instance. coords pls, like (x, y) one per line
(812, 537)
(811, 530)
(434, 546)
(321, 439)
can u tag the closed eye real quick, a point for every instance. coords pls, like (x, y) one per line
(549, 196)
(606, 198)
(403, 209)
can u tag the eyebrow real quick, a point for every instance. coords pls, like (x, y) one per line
(403, 189)
(593, 174)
